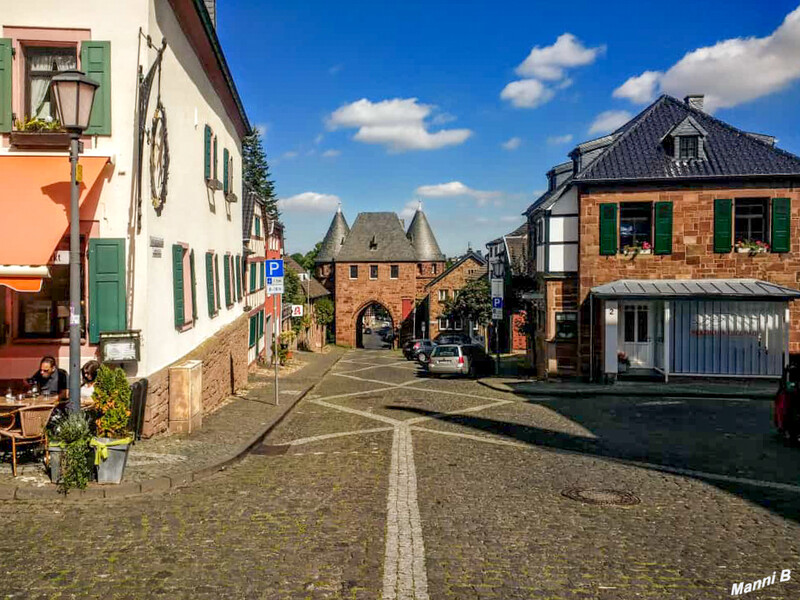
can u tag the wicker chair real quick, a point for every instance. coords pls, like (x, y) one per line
(32, 429)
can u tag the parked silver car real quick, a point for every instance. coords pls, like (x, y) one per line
(458, 359)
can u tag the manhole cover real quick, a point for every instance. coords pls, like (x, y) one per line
(615, 497)
(267, 450)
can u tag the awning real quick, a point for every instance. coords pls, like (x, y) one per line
(22, 278)
(730, 289)
(34, 204)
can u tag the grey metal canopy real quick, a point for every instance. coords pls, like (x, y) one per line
(731, 289)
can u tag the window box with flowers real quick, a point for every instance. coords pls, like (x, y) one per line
(633, 250)
(39, 133)
(751, 247)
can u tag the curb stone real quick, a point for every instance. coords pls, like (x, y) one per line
(615, 391)
(157, 484)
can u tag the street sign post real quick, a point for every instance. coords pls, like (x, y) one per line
(274, 272)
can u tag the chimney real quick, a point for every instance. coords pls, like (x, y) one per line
(694, 101)
(211, 7)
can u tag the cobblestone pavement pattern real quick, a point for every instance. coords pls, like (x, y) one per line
(383, 484)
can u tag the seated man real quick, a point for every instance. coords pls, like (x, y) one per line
(50, 379)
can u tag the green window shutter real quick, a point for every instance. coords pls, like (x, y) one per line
(663, 228)
(107, 297)
(225, 171)
(226, 269)
(608, 229)
(177, 284)
(263, 272)
(781, 224)
(96, 63)
(238, 278)
(216, 280)
(194, 285)
(215, 158)
(5, 85)
(723, 225)
(252, 331)
(210, 283)
(252, 267)
(207, 152)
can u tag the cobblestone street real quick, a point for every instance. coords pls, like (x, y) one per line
(384, 484)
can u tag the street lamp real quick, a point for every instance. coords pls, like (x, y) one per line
(74, 94)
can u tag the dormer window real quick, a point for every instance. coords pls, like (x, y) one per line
(373, 243)
(688, 146)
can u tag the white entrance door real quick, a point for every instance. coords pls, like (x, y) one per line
(637, 333)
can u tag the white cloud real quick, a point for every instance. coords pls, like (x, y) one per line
(443, 119)
(309, 202)
(512, 143)
(261, 129)
(549, 62)
(641, 89)
(398, 124)
(557, 140)
(289, 154)
(335, 69)
(455, 189)
(408, 211)
(331, 153)
(733, 71)
(318, 139)
(609, 120)
(527, 93)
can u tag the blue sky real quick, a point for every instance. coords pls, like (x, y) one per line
(467, 105)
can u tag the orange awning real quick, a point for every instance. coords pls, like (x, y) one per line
(23, 284)
(23, 278)
(34, 204)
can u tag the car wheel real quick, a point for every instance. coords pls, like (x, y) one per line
(423, 358)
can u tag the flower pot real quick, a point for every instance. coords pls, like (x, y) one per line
(111, 468)
(751, 250)
(54, 464)
(622, 367)
(40, 139)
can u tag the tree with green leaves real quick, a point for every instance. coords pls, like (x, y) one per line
(293, 292)
(255, 172)
(472, 303)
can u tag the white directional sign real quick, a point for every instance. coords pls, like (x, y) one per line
(497, 314)
(274, 285)
(497, 288)
(297, 310)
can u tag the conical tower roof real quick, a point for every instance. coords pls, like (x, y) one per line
(334, 239)
(422, 238)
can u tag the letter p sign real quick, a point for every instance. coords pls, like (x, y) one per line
(274, 268)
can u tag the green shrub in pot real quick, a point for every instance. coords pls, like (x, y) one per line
(70, 455)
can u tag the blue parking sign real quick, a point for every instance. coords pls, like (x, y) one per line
(274, 268)
(497, 302)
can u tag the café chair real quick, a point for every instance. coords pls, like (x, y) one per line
(31, 430)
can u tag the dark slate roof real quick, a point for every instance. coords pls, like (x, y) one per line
(692, 288)
(422, 238)
(311, 287)
(520, 231)
(384, 231)
(333, 240)
(248, 206)
(455, 265)
(549, 198)
(638, 154)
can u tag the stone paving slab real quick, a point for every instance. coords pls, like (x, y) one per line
(756, 389)
(175, 460)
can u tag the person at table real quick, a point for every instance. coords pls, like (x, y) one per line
(89, 376)
(50, 379)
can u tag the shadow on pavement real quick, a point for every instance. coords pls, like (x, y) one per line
(658, 446)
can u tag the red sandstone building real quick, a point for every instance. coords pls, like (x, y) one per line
(377, 262)
(668, 247)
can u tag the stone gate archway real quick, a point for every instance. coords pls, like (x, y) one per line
(374, 326)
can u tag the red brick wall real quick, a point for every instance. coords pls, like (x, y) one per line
(224, 357)
(692, 244)
(552, 357)
(455, 280)
(353, 295)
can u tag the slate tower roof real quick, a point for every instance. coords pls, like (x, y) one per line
(376, 237)
(422, 239)
(334, 239)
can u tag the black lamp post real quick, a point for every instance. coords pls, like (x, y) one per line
(74, 92)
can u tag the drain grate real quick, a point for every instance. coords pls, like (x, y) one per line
(614, 497)
(267, 450)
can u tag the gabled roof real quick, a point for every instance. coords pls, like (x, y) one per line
(422, 238)
(334, 239)
(377, 237)
(549, 198)
(311, 287)
(248, 206)
(455, 265)
(520, 231)
(638, 154)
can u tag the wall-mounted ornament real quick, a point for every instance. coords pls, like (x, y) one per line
(159, 158)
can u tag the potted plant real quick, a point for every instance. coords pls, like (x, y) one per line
(623, 362)
(112, 408)
(39, 133)
(638, 248)
(70, 461)
(751, 247)
(285, 352)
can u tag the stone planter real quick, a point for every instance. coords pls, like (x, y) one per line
(112, 468)
(751, 250)
(56, 140)
(639, 251)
